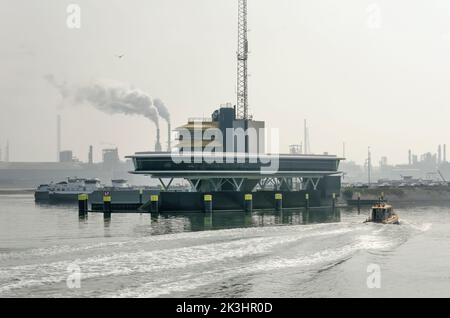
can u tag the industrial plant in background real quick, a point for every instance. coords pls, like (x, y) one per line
(27, 175)
(431, 167)
(30, 174)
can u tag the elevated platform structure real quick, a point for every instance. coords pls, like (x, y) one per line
(292, 173)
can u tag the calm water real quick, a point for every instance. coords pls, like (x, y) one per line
(289, 254)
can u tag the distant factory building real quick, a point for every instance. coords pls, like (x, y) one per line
(111, 157)
(66, 156)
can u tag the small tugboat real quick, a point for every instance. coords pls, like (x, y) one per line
(383, 213)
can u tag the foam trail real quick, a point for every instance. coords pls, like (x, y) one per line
(140, 262)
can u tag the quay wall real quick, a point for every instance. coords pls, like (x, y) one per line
(396, 194)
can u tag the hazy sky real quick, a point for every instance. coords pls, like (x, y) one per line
(356, 75)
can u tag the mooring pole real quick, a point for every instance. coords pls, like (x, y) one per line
(278, 202)
(307, 201)
(248, 203)
(207, 203)
(333, 204)
(141, 192)
(359, 203)
(82, 205)
(107, 206)
(154, 204)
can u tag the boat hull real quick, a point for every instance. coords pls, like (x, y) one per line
(41, 196)
(63, 197)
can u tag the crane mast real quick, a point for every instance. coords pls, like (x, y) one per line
(242, 60)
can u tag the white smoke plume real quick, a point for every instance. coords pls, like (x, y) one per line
(110, 97)
(162, 109)
(61, 87)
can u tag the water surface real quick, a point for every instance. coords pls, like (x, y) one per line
(320, 253)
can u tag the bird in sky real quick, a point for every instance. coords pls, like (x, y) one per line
(120, 56)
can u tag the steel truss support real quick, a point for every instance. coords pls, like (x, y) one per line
(313, 180)
(166, 187)
(217, 183)
(277, 183)
(194, 184)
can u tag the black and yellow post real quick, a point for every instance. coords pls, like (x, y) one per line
(248, 203)
(82, 205)
(107, 206)
(307, 201)
(154, 204)
(207, 203)
(278, 202)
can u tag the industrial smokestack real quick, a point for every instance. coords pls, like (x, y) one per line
(58, 138)
(445, 153)
(439, 154)
(158, 147)
(164, 113)
(305, 141)
(169, 137)
(91, 155)
(7, 151)
(409, 157)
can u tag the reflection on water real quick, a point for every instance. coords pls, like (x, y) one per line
(166, 223)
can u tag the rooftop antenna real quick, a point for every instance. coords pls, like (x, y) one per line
(306, 146)
(369, 166)
(242, 60)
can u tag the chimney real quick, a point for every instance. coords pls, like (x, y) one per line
(305, 141)
(7, 151)
(409, 157)
(439, 154)
(58, 138)
(169, 137)
(445, 153)
(91, 155)
(158, 147)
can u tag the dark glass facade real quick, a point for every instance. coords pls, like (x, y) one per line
(286, 164)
